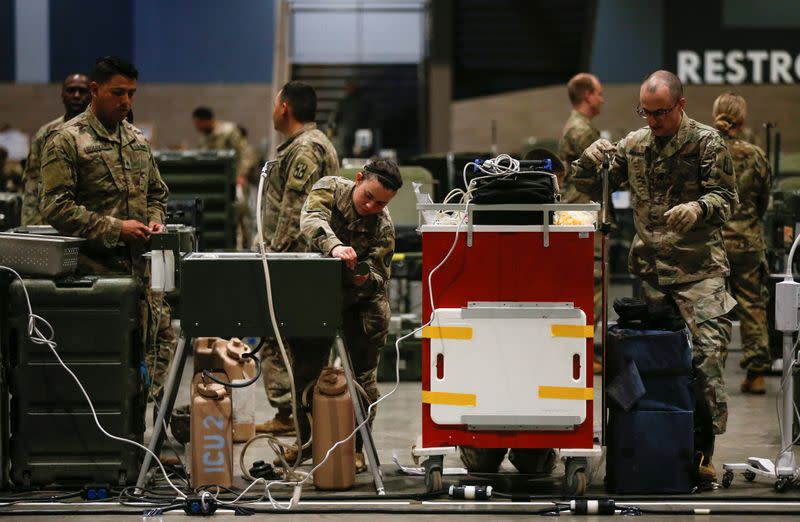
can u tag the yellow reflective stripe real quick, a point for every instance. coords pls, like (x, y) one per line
(451, 399)
(400, 256)
(566, 392)
(447, 332)
(572, 330)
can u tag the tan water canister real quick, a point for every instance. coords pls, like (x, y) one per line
(205, 355)
(240, 369)
(211, 433)
(334, 420)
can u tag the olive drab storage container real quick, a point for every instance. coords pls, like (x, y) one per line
(211, 434)
(207, 175)
(333, 421)
(54, 438)
(5, 280)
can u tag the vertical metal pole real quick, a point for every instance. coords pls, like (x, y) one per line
(167, 402)
(366, 435)
(785, 465)
(768, 128)
(604, 225)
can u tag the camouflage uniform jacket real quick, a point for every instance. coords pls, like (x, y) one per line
(694, 165)
(92, 180)
(578, 134)
(743, 231)
(31, 179)
(303, 159)
(329, 219)
(226, 135)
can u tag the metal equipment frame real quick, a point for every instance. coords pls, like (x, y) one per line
(171, 390)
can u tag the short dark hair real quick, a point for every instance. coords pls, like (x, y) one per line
(109, 66)
(667, 78)
(302, 99)
(203, 113)
(579, 86)
(386, 172)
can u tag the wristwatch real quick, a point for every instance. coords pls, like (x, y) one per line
(703, 207)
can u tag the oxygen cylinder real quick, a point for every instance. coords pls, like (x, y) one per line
(240, 369)
(334, 420)
(212, 445)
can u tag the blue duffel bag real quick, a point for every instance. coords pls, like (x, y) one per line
(650, 452)
(649, 369)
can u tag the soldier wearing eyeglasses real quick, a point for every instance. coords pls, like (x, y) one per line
(682, 186)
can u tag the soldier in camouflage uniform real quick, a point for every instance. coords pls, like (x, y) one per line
(744, 241)
(220, 135)
(682, 190)
(306, 156)
(100, 182)
(349, 220)
(586, 96)
(75, 96)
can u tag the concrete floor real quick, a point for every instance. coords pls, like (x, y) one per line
(752, 431)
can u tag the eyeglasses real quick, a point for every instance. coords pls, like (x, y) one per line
(658, 113)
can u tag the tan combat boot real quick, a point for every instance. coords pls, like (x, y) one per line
(290, 454)
(754, 384)
(361, 464)
(281, 424)
(706, 473)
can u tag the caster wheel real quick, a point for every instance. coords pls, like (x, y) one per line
(781, 485)
(727, 478)
(576, 483)
(433, 481)
(433, 474)
(749, 476)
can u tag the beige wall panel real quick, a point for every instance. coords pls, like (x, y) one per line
(541, 113)
(167, 106)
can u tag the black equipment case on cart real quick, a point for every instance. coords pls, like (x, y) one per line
(54, 439)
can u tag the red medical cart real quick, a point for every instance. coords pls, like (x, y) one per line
(507, 358)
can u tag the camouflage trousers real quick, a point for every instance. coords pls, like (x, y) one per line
(704, 306)
(365, 325)
(274, 374)
(748, 284)
(158, 337)
(244, 225)
(533, 461)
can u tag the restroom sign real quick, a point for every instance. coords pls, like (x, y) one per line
(737, 66)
